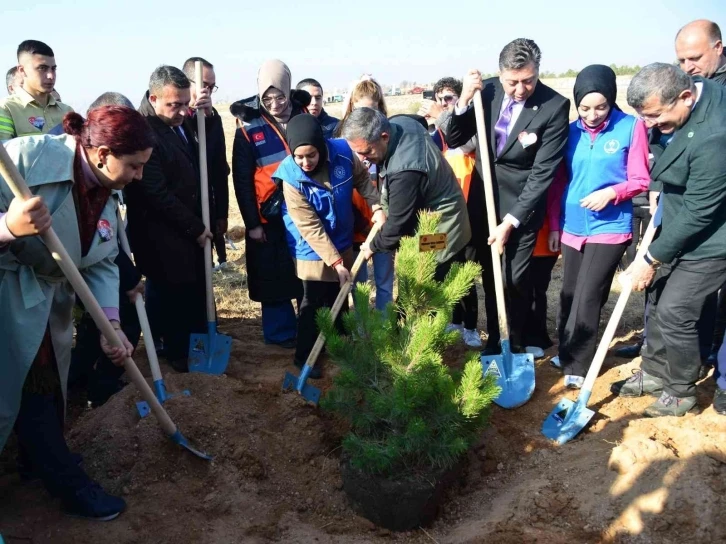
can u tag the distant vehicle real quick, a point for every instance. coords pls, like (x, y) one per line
(396, 91)
(337, 98)
(417, 90)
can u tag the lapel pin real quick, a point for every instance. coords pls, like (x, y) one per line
(535, 108)
(690, 134)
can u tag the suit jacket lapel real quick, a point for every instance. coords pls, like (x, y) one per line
(529, 111)
(684, 135)
(496, 108)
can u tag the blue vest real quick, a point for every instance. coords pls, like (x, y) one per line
(334, 206)
(593, 165)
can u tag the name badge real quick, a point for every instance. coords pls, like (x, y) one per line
(432, 242)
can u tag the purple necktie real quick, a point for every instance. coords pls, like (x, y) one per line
(500, 129)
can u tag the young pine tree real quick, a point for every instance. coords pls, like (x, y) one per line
(408, 411)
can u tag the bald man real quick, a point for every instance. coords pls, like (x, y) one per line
(700, 50)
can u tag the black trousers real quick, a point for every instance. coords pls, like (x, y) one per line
(39, 427)
(586, 281)
(220, 246)
(90, 368)
(675, 304)
(467, 310)
(175, 312)
(540, 274)
(516, 262)
(316, 295)
(641, 218)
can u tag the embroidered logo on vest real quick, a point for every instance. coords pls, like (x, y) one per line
(611, 146)
(339, 172)
(258, 138)
(105, 230)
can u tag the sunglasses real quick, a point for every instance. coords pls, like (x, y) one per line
(447, 98)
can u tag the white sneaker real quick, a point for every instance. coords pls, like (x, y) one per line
(451, 327)
(555, 361)
(536, 351)
(471, 338)
(574, 382)
(220, 266)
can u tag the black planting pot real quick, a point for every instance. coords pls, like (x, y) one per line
(398, 504)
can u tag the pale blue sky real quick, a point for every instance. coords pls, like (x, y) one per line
(116, 48)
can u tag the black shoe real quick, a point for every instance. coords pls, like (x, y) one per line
(315, 373)
(180, 365)
(491, 347)
(286, 344)
(29, 474)
(628, 352)
(92, 502)
(719, 401)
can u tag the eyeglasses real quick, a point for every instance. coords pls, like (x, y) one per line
(277, 99)
(212, 88)
(447, 98)
(653, 117)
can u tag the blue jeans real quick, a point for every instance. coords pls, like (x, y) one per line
(279, 322)
(383, 274)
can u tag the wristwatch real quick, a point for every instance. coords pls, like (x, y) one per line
(655, 263)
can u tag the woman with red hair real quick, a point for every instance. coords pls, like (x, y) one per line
(72, 178)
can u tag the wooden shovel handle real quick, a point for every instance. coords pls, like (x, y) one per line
(17, 185)
(204, 191)
(607, 337)
(341, 298)
(483, 144)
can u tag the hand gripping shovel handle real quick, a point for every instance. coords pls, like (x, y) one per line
(141, 312)
(491, 213)
(341, 298)
(612, 325)
(19, 188)
(204, 180)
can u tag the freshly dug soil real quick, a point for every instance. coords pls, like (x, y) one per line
(276, 476)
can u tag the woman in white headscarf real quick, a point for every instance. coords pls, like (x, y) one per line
(260, 145)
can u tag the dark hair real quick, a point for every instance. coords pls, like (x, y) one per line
(123, 130)
(189, 65)
(10, 76)
(309, 82)
(519, 53)
(167, 75)
(111, 99)
(448, 83)
(365, 124)
(34, 47)
(659, 79)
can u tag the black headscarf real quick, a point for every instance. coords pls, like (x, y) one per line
(304, 129)
(596, 78)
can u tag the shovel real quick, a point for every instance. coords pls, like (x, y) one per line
(568, 418)
(17, 185)
(159, 388)
(208, 353)
(514, 371)
(299, 383)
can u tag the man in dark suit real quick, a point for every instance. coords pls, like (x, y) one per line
(165, 216)
(216, 152)
(527, 126)
(687, 262)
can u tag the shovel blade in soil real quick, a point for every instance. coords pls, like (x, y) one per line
(178, 438)
(566, 420)
(514, 373)
(162, 395)
(309, 392)
(209, 353)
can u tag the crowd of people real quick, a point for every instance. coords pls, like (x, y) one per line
(310, 187)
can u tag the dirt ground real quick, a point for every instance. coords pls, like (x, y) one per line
(275, 475)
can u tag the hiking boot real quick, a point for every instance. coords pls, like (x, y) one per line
(315, 373)
(668, 405)
(555, 362)
(536, 351)
(719, 401)
(628, 352)
(451, 327)
(471, 338)
(92, 502)
(639, 384)
(574, 382)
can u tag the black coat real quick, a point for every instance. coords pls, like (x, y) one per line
(217, 166)
(164, 207)
(271, 275)
(521, 176)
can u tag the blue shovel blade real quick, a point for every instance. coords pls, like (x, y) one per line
(309, 392)
(566, 420)
(209, 353)
(514, 373)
